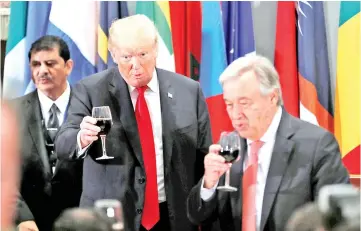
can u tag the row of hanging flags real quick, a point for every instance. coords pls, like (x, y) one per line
(199, 39)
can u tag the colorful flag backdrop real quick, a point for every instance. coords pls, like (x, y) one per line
(199, 39)
(30, 20)
(347, 102)
(159, 13)
(314, 77)
(186, 21)
(286, 55)
(109, 11)
(213, 62)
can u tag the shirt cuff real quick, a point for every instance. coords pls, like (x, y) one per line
(208, 194)
(81, 152)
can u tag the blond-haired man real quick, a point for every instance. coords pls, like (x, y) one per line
(159, 136)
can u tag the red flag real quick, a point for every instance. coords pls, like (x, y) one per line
(186, 22)
(286, 56)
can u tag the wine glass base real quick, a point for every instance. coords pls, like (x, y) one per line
(227, 188)
(105, 158)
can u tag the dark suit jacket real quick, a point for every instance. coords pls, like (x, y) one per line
(186, 138)
(305, 158)
(43, 195)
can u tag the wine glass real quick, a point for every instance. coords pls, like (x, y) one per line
(104, 121)
(230, 146)
(113, 211)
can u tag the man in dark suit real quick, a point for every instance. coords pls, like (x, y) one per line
(283, 162)
(48, 186)
(159, 136)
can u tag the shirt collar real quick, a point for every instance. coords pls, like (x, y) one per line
(270, 134)
(61, 102)
(152, 85)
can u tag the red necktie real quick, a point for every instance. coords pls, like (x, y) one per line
(151, 206)
(249, 183)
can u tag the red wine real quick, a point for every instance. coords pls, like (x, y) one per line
(229, 155)
(105, 125)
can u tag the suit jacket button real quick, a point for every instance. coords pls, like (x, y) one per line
(141, 180)
(139, 211)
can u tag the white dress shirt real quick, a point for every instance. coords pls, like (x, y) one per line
(152, 98)
(264, 160)
(61, 103)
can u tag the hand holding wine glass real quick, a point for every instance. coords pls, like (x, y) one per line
(103, 118)
(230, 147)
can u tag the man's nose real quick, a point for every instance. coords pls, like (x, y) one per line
(237, 111)
(43, 69)
(135, 62)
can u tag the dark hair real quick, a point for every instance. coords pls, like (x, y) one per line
(49, 42)
(81, 219)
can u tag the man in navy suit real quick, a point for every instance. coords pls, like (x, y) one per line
(159, 136)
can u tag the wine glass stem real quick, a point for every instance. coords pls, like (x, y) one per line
(102, 137)
(227, 178)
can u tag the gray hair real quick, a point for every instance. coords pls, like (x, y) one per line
(132, 30)
(263, 69)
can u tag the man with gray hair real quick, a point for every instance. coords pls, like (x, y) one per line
(160, 132)
(283, 160)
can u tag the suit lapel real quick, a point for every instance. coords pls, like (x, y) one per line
(236, 181)
(35, 127)
(283, 149)
(166, 93)
(123, 106)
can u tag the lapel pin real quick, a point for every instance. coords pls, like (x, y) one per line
(170, 95)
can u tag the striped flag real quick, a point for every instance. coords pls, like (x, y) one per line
(213, 62)
(14, 77)
(186, 21)
(285, 55)
(347, 102)
(313, 69)
(109, 11)
(31, 20)
(159, 13)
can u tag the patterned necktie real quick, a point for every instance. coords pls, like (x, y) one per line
(151, 206)
(249, 183)
(53, 123)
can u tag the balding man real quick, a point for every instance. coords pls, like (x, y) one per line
(159, 136)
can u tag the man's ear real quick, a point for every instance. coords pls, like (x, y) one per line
(274, 97)
(69, 66)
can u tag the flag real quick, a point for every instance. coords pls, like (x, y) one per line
(285, 55)
(14, 77)
(313, 69)
(347, 99)
(78, 29)
(30, 21)
(213, 62)
(238, 29)
(186, 21)
(159, 13)
(109, 12)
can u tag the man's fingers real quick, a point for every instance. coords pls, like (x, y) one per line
(88, 132)
(215, 148)
(89, 126)
(89, 119)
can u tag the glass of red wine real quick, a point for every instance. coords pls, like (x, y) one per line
(230, 146)
(104, 121)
